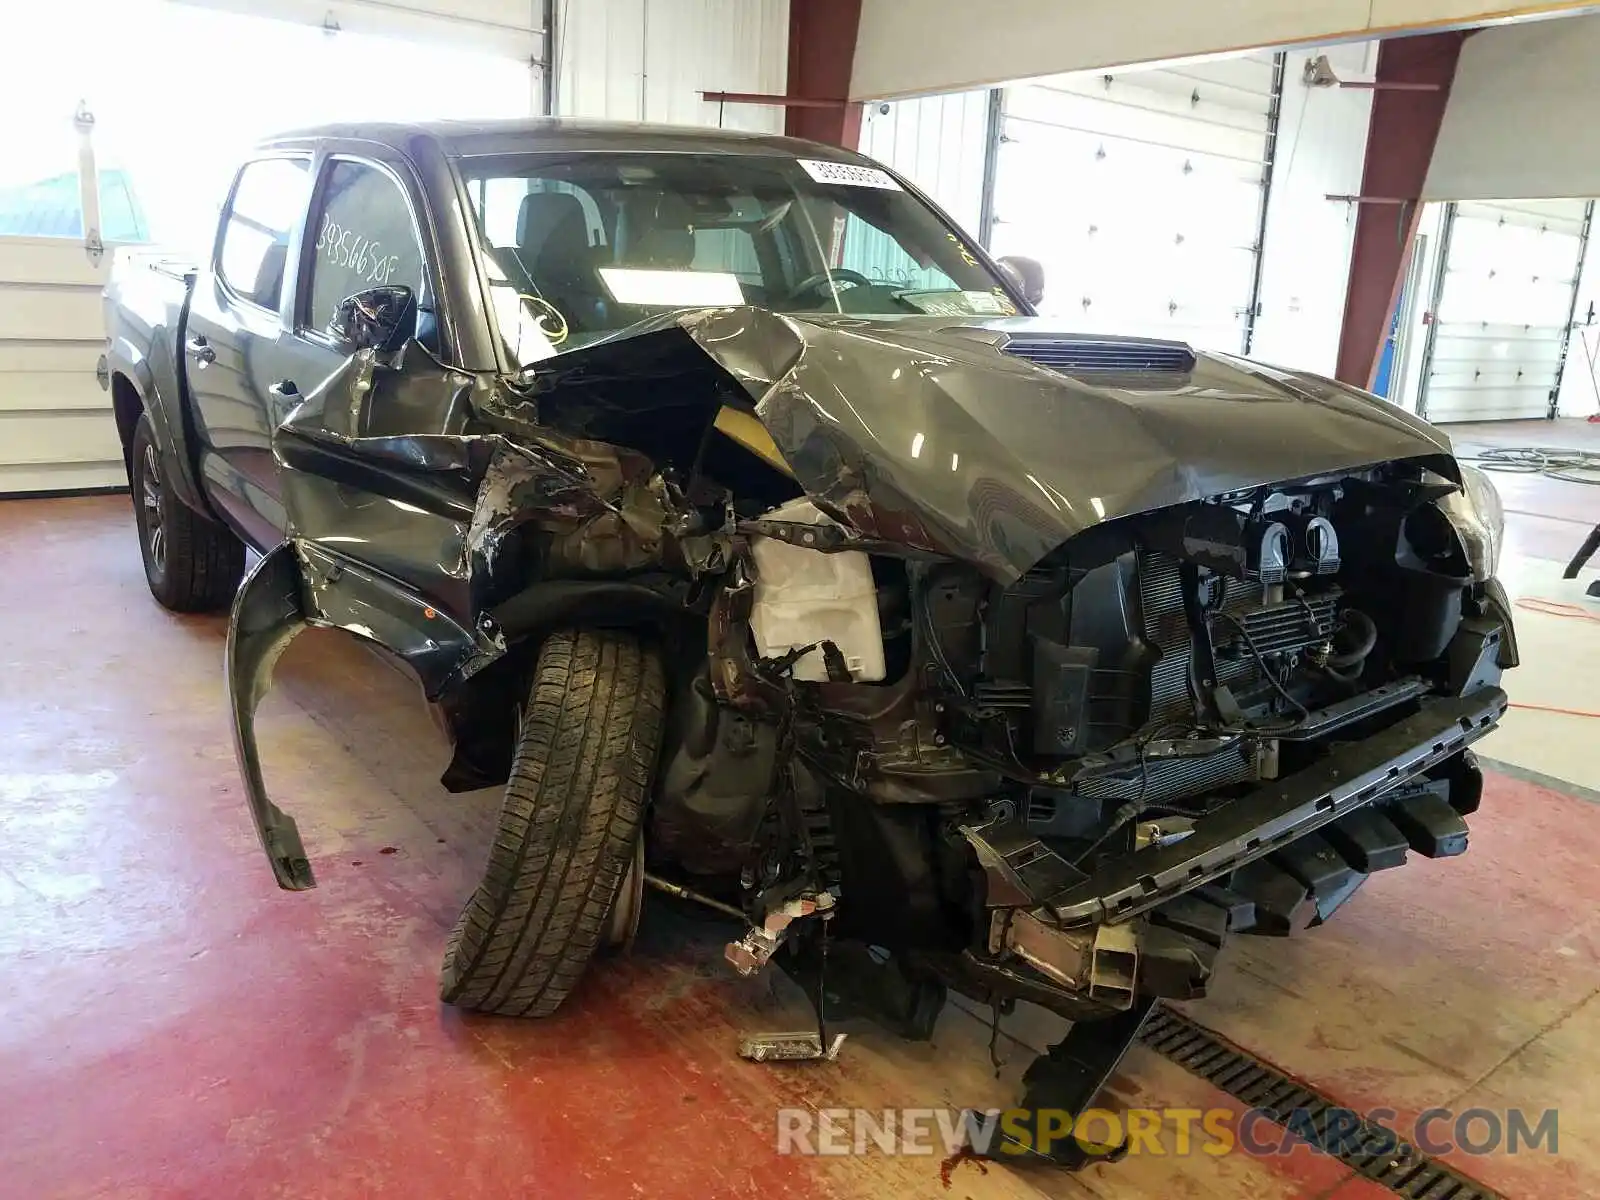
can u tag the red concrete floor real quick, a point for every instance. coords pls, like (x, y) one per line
(173, 1025)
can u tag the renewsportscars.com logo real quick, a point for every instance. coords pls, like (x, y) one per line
(1177, 1132)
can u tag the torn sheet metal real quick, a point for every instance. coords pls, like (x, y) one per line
(948, 444)
(398, 537)
(407, 484)
(922, 431)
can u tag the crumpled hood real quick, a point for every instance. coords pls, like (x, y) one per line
(923, 431)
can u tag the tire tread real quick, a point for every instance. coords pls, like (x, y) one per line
(204, 560)
(572, 811)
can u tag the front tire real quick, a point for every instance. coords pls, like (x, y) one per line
(192, 564)
(568, 829)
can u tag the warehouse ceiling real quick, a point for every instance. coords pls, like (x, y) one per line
(1520, 123)
(961, 45)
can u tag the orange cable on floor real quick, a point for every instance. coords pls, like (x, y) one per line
(1549, 708)
(1557, 608)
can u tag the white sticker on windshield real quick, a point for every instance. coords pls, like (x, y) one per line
(672, 289)
(849, 174)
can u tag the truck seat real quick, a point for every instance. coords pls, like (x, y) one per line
(553, 248)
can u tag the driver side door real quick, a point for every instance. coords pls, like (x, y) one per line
(345, 486)
(362, 232)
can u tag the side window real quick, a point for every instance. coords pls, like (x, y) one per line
(365, 237)
(267, 202)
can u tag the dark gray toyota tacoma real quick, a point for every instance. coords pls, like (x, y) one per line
(743, 525)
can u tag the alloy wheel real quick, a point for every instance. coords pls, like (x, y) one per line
(155, 534)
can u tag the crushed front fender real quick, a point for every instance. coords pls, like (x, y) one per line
(300, 584)
(267, 615)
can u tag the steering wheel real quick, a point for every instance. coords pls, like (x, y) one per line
(822, 278)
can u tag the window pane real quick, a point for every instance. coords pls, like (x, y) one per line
(255, 242)
(365, 238)
(47, 206)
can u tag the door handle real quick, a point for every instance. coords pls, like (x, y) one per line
(200, 350)
(282, 397)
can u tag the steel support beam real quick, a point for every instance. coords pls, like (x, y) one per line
(1400, 140)
(822, 47)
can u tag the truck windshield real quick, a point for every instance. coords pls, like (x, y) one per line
(579, 247)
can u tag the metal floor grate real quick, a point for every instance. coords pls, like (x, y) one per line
(1400, 1167)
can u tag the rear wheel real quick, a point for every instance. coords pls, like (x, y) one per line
(569, 829)
(192, 564)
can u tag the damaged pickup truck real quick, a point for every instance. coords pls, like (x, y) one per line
(737, 517)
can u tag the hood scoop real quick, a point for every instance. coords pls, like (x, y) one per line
(1104, 355)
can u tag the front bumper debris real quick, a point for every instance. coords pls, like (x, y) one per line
(1293, 851)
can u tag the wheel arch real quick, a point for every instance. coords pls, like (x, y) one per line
(136, 385)
(299, 583)
(127, 406)
(478, 712)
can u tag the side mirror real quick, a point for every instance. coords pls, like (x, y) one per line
(380, 318)
(1027, 274)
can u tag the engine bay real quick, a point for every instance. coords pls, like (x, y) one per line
(1151, 673)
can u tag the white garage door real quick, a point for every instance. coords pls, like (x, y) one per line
(1500, 324)
(56, 430)
(160, 181)
(1141, 193)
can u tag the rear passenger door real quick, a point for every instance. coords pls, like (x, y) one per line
(233, 342)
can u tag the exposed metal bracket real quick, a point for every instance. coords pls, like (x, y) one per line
(1352, 199)
(1319, 73)
(88, 183)
(1380, 85)
(771, 98)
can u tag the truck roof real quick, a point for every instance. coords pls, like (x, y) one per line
(461, 139)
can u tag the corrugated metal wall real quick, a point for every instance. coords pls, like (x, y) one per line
(649, 60)
(937, 142)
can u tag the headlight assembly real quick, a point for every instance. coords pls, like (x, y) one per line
(1479, 518)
